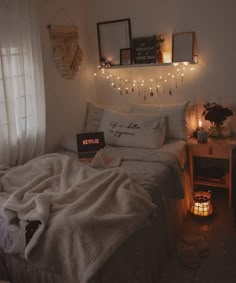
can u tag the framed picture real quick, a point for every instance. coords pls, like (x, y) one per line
(113, 36)
(183, 47)
(126, 56)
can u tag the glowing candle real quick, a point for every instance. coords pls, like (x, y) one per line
(199, 123)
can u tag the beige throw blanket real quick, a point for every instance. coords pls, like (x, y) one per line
(85, 214)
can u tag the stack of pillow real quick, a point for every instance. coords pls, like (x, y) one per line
(143, 125)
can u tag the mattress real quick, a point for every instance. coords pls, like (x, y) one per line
(157, 179)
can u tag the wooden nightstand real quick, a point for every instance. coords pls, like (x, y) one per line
(217, 152)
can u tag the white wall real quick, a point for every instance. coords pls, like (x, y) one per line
(65, 99)
(213, 22)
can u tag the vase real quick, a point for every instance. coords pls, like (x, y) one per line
(160, 56)
(215, 131)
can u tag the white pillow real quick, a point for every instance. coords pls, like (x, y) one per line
(175, 113)
(70, 143)
(95, 114)
(133, 129)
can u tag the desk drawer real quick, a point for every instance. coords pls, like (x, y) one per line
(212, 151)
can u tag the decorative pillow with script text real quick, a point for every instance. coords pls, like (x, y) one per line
(133, 129)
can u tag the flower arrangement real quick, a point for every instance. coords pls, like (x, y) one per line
(216, 114)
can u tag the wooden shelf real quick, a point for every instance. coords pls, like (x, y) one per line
(148, 65)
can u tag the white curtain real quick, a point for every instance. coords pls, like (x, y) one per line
(22, 98)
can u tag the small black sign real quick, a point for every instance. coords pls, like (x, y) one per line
(145, 50)
(89, 143)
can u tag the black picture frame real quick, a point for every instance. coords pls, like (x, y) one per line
(183, 47)
(113, 36)
(125, 56)
(145, 50)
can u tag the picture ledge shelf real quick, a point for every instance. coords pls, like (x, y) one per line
(148, 65)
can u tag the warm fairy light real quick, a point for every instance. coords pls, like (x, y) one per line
(159, 83)
(186, 63)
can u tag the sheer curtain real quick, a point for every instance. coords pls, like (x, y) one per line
(22, 98)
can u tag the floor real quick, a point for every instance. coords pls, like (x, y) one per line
(219, 232)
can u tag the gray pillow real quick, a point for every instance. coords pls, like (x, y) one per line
(175, 113)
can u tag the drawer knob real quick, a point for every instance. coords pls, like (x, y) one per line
(210, 150)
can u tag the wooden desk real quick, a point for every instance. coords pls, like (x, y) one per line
(213, 149)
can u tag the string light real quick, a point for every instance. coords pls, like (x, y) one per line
(123, 85)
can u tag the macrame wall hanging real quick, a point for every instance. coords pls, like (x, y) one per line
(66, 51)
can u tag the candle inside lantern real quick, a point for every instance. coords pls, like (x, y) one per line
(199, 123)
(201, 205)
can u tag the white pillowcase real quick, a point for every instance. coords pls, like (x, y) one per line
(133, 129)
(95, 114)
(175, 113)
(70, 143)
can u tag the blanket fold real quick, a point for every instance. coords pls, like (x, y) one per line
(85, 214)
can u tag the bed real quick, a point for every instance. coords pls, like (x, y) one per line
(142, 250)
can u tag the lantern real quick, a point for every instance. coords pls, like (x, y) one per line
(201, 204)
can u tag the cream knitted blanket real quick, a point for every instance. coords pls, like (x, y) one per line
(85, 214)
